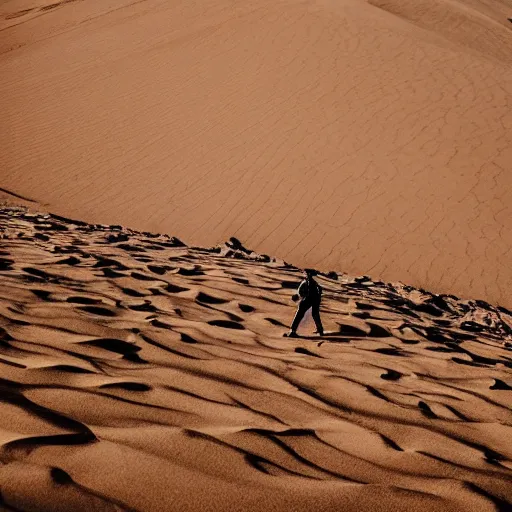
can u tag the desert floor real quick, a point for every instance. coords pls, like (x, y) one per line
(369, 137)
(137, 373)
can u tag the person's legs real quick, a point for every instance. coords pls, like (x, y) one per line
(299, 315)
(315, 313)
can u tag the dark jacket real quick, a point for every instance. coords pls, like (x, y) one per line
(310, 290)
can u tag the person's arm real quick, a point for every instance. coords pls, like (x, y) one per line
(303, 289)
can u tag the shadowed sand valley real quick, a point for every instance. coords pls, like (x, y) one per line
(373, 137)
(137, 373)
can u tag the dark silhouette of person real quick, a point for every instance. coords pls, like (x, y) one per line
(310, 295)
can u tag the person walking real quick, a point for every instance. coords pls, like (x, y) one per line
(309, 294)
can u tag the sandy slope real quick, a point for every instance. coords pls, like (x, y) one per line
(139, 374)
(338, 134)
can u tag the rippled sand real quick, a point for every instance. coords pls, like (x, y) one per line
(373, 137)
(137, 373)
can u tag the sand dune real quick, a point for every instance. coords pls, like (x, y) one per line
(366, 137)
(141, 374)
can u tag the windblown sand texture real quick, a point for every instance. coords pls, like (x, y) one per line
(141, 374)
(373, 137)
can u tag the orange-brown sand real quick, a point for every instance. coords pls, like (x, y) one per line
(370, 137)
(137, 373)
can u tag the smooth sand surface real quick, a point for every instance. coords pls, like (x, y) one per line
(140, 374)
(371, 138)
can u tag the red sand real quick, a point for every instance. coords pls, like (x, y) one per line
(137, 374)
(369, 138)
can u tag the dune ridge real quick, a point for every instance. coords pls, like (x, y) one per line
(369, 137)
(138, 373)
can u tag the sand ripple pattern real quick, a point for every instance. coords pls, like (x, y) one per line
(137, 373)
(373, 136)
